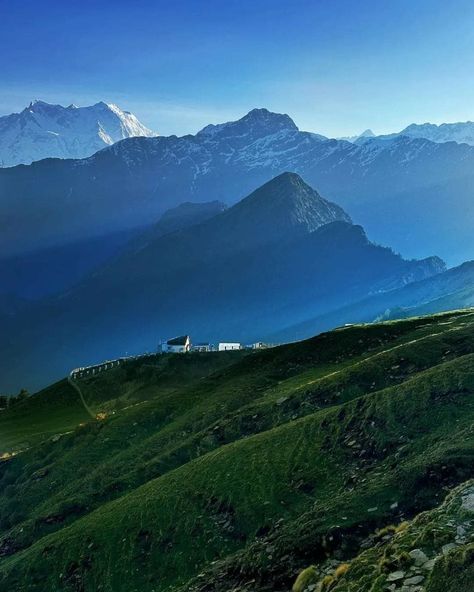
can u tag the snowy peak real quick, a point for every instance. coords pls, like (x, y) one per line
(462, 132)
(43, 130)
(257, 124)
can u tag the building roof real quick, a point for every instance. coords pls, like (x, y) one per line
(183, 340)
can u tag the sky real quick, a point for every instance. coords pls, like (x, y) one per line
(336, 67)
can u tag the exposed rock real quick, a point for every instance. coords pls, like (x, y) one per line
(418, 557)
(468, 502)
(429, 565)
(447, 548)
(414, 580)
(395, 576)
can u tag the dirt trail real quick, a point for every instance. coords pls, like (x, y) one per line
(382, 353)
(75, 386)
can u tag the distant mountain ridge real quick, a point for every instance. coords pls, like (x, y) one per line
(280, 256)
(43, 130)
(450, 289)
(462, 132)
(410, 193)
(368, 133)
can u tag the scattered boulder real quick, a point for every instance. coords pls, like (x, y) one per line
(418, 557)
(429, 564)
(467, 502)
(447, 548)
(414, 581)
(395, 576)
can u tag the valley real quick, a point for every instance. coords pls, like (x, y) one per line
(282, 257)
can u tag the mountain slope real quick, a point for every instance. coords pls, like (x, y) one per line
(242, 477)
(432, 553)
(35, 275)
(187, 214)
(279, 257)
(411, 193)
(453, 289)
(52, 131)
(449, 290)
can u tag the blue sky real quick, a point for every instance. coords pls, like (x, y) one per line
(336, 66)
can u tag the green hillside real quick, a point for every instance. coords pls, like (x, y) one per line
(248, 471)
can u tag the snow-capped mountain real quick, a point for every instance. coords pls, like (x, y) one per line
(410, 193)
(462, 133)
(43, 131)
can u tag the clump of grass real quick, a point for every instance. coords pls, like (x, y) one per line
(399, 561)
(402, 527)
(326, 584)
(389, 530)
(307, 577)
(341, 570)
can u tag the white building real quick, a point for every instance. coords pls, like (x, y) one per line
(229, 346)
(259, 345)
(177, 345)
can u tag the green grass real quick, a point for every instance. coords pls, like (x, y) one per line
(55, 410)
(59, 409)
(215, 470)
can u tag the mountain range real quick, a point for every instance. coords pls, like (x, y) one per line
(410, 193)
(43, 130)
(281, 256)
(461, 133)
